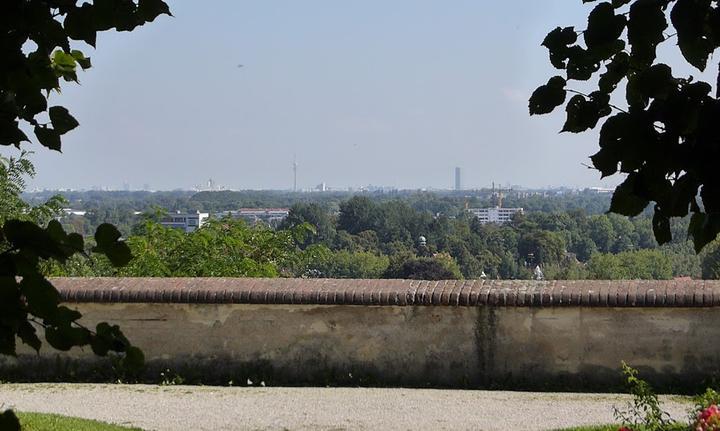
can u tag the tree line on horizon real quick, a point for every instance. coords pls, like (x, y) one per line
(418, 236)
(368, 238)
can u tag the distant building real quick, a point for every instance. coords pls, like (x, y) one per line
(271, 216)
(209, 186)
(188, 222)
(495, 215)
(295, 166)
(458, 179)
(70, 211)
(600, 190)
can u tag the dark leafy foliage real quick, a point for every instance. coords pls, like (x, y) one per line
(9, 421)
(30, 301)
(51, 27)
(36, 47)
(667, 138)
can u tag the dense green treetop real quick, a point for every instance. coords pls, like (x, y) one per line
(13, 173)
(387, 244)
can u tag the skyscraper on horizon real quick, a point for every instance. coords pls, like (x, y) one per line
(458, 182)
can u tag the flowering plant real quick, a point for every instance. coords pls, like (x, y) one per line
(645, 411)
(708, 419)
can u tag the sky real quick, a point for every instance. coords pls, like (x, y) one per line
(394, 93)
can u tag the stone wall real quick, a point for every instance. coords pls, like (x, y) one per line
(464, 334)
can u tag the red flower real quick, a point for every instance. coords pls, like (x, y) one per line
(708, 419)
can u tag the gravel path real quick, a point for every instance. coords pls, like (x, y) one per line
(218, 408)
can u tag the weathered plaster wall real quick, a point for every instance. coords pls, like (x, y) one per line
(437, 346)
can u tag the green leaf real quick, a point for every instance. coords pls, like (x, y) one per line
(63, 65)
(30, 237)
(106, 234)
(581, 64)
(48, 137)
(119, 14)
(604, 27)
(625, 138)
(42, 298)
(106, 237)
(80, 24)
(656, 82)
(83, 61)
(55, 230)
(617, 69)
(625, 199)
(661, 227)
(42, 68)
(710, 194)
(646, 24)
(683, 193)
(583, 114)
(606, 161)
(547, 97)
(11, 134)
(67, 245)
(63, 60)
(7, 341)
(634, 97)
(557, 42)
(61, 120)
(690, 20)
(148, 10)
(9, 422)
(31, 102)
(76, 242)
(703, 229)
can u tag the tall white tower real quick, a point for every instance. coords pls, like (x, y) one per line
(295, 166)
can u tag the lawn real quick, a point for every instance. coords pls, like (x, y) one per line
(592, 428)
(674, 427)
(49, 422)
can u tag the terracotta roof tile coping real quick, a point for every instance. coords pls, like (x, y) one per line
(505, 293)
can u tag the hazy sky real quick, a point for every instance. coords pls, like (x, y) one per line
(379, 92)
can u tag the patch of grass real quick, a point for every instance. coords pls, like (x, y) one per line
(592, 428)
(50, 422)
(677, 426)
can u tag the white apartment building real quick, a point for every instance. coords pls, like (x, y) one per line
(495, 214)
(271, 216)
(185, 221)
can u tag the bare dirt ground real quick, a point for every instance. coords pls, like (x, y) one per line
(232, 408)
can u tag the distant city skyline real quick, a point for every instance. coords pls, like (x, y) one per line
(394, 93)
(327, 188)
